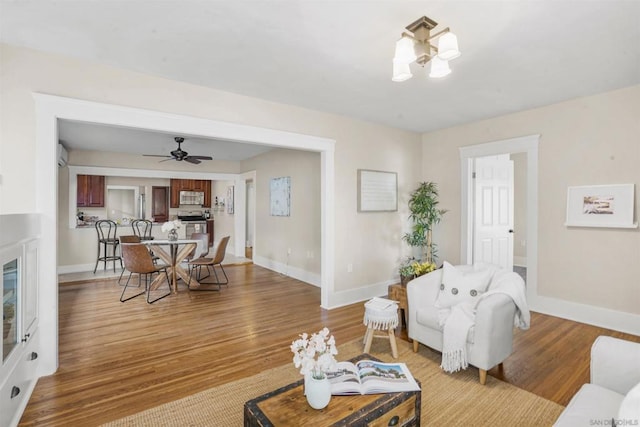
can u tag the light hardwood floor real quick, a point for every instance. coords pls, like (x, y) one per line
(118, 358)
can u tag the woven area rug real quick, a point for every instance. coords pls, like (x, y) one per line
(447, 399)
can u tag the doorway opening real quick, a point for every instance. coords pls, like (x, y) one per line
(49, 109)
(522, 150)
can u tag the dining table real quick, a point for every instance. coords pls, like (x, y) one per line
(178, 251)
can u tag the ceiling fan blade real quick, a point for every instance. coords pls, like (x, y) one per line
(179, 154)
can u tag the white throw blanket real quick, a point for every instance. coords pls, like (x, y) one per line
(458, 320)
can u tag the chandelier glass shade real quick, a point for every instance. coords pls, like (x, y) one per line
(405, 51)
(439, 67)
(401, 71)
(418, 46)
(448, 47)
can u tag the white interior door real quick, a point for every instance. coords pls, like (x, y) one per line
(493, 224)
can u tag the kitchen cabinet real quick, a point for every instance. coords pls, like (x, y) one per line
(207, 193)
(178, 185)
(90, 191)
(174, 193)
(210, 231)
(199, 184)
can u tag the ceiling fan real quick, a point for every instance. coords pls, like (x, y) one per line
(181, 155)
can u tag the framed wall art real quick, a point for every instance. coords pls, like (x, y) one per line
(280, 196)
(377, 191)
(601, 206)
(230, 192)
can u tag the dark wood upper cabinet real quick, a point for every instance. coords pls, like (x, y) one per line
(90, 191)
(207, 194)
(198, 184)
(174, 193)
(178, 185)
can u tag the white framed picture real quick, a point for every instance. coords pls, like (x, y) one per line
(280, 196)
(230, 191)
(601, 206)
(377, 191)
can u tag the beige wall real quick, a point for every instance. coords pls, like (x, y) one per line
(592, 140)
(371, 242)
(300, 231)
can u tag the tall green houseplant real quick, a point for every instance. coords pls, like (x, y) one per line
(423, 206)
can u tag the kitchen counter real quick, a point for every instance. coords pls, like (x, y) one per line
(93, 225)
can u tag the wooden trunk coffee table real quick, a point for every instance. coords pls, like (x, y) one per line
(287, 406)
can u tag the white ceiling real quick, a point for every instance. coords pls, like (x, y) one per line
(335, 56)
(90, 136)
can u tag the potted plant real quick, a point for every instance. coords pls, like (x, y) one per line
(413, 268)
(406, 272)
(423, 205)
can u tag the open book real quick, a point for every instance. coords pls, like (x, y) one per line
(371, 377)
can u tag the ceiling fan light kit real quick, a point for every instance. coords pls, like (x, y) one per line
(179, 154)
(418, 46)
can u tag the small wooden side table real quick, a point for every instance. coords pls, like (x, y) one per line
(398, 293)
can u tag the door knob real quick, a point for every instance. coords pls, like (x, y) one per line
(510, 231)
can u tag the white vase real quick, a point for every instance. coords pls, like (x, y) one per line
(173, 235)
(318, 392)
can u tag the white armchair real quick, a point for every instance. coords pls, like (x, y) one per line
(489, 341)
(615, 372)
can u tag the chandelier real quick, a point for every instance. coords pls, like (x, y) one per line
(418, 47)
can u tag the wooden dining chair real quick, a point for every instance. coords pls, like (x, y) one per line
(137, 259)
(202, 248)
(123, 240)
(210, 264)
(200, 251)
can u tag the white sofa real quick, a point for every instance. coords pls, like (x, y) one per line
(489, 342)
(615, 371)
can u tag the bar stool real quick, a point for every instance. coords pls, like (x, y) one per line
(381, 314)
(142, 228)
(107, 231)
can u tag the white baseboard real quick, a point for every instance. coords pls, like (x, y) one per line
(80, 268)
(591, 315)
(520, 261)
(287, 270)
(337, 299)
(363, 293)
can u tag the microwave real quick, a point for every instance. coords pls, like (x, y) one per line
(192, 198)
